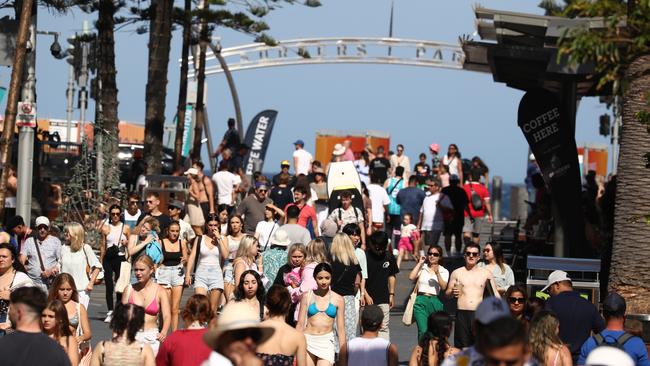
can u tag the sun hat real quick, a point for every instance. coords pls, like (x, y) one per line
(236, 316)
(554, 277)
(176, 203)
(281, 238)
(608, 356)
(338, 150)
(434, 147)
(318, 170)
(491, 309)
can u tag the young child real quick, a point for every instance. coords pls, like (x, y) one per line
(409, 234)
(443, 174)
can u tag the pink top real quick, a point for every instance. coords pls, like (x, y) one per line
(308, 284)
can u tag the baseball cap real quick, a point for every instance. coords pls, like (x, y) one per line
(371, 317)
(434, 147)
(608, 356)
(285, 163)
(191, 171)
(491, 309)
(261, 185)
(614, 304)
(176, 203)
(554, 277)
(42, 220)
(299, 142)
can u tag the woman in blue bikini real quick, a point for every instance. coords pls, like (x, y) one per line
(319, 309)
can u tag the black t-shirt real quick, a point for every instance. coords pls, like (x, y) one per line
(379, 269)
(343, 278)
(276, 180)
(422, 171)
(458, 199)
(281, 196)
(231, 139)
(22, 348)
(379, 168)
(163, 220)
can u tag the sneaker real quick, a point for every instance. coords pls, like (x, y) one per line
(395, 252)
(109, 316)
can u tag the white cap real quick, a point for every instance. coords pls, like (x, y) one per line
(42, 220)
(608, 356)
(191, 171)
(554, 277)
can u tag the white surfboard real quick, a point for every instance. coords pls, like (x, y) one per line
(343, 176)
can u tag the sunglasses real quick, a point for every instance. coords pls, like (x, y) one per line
(149, 201)
(42, 227)
(435, 254)
(115, 213)
(472, 254)
(515, 300)
(262, 190)
(242, 334)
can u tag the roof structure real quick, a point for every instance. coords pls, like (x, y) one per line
(520, 50)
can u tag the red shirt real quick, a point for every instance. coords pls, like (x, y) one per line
(305, 213)
(183, 348)
(482, 192)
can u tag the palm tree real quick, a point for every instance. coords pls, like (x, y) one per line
(182, 91)
(160, 36)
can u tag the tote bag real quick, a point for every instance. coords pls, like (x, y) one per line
(407, 318)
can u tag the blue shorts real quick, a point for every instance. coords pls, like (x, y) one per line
(228, 272)
(170, 276)
(208, 276)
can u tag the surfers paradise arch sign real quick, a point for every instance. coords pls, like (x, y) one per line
(363, 50)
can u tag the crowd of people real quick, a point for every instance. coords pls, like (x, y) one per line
(280, 279)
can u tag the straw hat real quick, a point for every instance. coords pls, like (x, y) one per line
(281, 238)
(237, 316)
(338, 150)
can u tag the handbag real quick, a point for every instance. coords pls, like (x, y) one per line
(85, 350)
(488, 291)
(407, 318)
(124, 278)
(89, 269)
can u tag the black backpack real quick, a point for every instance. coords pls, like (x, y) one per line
(600, 341)
(477, 201)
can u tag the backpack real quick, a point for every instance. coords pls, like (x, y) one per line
(477, 201)
(620, 342)
(154, 249)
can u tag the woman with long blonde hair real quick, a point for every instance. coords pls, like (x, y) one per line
(245, 257)
(347, 279)
(76, 255)
(545, 342)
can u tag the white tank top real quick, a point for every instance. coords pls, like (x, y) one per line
(368, 351)
(233, 245)
(209, 256)
(452, 163)
(115, 235)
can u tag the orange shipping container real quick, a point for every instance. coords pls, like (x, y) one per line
(326, 140)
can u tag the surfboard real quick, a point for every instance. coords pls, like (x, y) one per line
(343, 176)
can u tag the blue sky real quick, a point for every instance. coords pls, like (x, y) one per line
(417, 106)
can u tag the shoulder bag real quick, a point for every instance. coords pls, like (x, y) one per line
(124, 278)
(89, 269)
(47, 281)
(407, 318)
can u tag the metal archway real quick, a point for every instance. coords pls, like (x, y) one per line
(364, 50)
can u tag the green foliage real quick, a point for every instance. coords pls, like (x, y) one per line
(623, 38)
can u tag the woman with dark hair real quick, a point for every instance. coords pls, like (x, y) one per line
(153, 298)
(123, 349)
(363, 167)
(434, 346)
(185, 346)
(223, 214)
(64, 289)
(432, 279)
(113, 243)
(170, 273)
(452, 162)
(235, 235)
(319, 309)
(54, 320)
(12, 276)
(533, 306)
(494, 262)
(251, 291)
(204, 263)
(517, 297)
(287, 344)
(266, 228)
(479, 169)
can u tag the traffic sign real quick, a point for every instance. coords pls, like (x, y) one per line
(26, 116)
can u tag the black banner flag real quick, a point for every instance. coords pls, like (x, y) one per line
(258, 137)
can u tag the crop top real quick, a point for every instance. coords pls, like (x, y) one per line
(171, 258)
(330, 311)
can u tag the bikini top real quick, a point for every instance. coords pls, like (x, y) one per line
(151, 309)
(330, 311)
(74, 321)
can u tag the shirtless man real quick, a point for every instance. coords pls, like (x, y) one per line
(467, 285)
(206, 190)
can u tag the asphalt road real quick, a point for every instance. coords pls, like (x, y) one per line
(403, 336)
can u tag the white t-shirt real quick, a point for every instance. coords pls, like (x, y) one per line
(304, 161)
(428, 280)
(378, 198)
(266, 230)
(432, 219)
(226, 183)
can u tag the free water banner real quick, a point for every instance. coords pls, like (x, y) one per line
(258, 137)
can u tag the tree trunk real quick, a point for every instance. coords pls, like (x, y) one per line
(106, 67)
(160, 34)
(182, 92)
(630, 273)
(200, 105)
(12, 98)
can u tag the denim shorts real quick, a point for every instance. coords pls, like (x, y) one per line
(228, 272)
(208, 276)
(170, 276)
